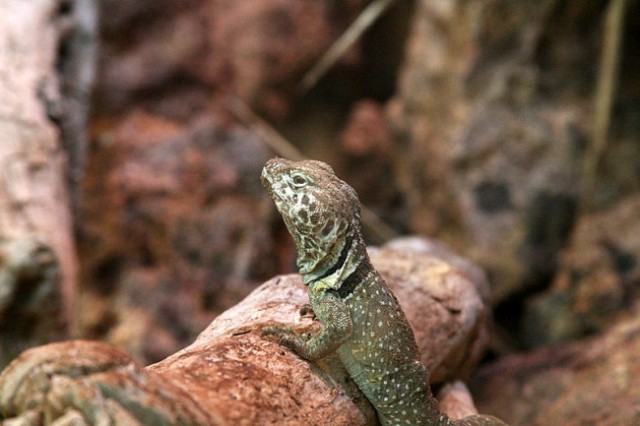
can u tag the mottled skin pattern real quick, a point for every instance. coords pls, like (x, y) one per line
(361, 319)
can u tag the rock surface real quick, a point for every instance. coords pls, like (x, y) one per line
(593, 382)
(91, 383)
(30, 297)
(185, 50)
(170, 216)
(598, 281)
(230, 375)
(43, 45)
(485, 162)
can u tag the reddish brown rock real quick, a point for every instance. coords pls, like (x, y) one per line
(232, 376)
(593, 382)
(455, 399)
(94, 383)
(173, 215)
(366, 133)
(257, 49)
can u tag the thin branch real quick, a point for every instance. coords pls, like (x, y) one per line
(605, 89)
(264, 130)
(367, 18)
(282, 147)
(376, 226)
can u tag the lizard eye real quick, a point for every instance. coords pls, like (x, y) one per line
(299, 181)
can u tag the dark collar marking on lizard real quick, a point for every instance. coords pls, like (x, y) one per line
(344, 254)
(353, 280)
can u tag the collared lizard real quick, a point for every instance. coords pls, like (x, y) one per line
(361, 319)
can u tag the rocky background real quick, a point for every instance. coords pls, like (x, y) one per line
(475, 123)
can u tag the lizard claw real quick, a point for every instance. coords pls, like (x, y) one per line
(276, 333)
(285, 337)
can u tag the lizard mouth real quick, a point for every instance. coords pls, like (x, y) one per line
(270, 176)
(265, 178)
(267, 182)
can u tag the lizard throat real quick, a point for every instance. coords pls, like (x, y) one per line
(347, 272)
(354, 279)
(344, 254)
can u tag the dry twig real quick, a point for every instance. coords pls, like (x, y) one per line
(367, 18)
(605, 88)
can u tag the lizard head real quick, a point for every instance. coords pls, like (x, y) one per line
(320, 211)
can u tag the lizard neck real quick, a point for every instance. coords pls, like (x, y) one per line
(339, 265)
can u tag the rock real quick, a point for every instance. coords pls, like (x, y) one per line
(47, 57)
(30, 298)
(230, 375)
(592, 382)
(177, 53)
(490, 123)
(173, 214)
(455, 399)
(96, 382)
(598, 280)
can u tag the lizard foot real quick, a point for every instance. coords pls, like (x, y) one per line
(286, 337)
(276, 331)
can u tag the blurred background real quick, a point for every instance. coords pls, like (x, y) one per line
(508, 130)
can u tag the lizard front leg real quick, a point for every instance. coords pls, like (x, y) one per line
(336, 327)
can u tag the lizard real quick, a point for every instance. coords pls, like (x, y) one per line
(360, 317)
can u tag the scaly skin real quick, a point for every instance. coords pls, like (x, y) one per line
(361, 318)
